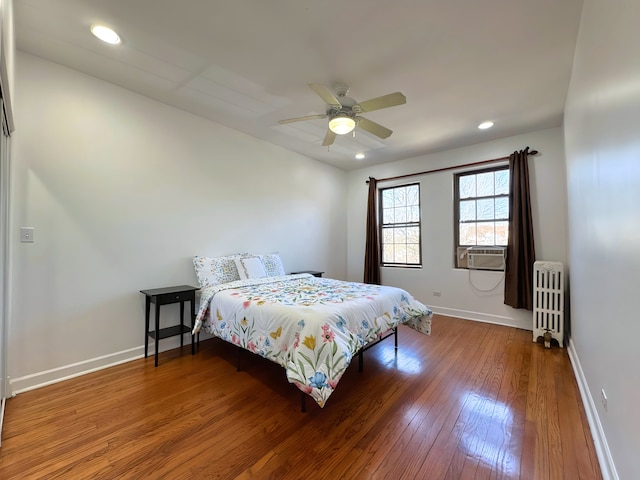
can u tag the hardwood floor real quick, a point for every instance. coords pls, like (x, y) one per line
(471, 401)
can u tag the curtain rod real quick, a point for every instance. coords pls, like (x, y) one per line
(455, 167)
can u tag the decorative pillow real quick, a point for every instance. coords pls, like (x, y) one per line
(215, 270)
(250, 267)
(272, 264)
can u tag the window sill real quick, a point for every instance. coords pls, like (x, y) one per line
(412, 267)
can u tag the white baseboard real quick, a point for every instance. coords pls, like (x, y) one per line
(4, 402)
(482, 317)
(600, 441)
(40, 379)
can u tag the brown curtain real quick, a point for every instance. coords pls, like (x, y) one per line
(372, 246)
(518, 284)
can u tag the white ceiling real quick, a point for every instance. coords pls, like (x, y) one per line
(246, 63)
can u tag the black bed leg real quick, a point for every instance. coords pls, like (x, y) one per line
(303, 402)
(238, 364)
(395, 332)
(360, 361)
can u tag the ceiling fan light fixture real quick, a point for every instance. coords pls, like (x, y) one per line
(485, 125)
(342, 124)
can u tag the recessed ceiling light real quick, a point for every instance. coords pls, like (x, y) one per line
(485, 125)
(360, 156)
(105, 34)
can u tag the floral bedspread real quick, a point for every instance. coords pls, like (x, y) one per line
(311, 326)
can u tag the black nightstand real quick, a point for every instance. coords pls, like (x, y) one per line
(166, 296)
(315, 273)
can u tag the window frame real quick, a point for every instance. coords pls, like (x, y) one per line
(382, 225)
(456, 208)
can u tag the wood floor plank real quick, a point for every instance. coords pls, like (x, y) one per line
(473, 400)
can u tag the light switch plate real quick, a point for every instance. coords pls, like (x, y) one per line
(26, 234)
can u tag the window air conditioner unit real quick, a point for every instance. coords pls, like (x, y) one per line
(486, 258)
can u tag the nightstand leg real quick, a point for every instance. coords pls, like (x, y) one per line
(181, 324)
(157, 331)
(193, 325)
(147, 308)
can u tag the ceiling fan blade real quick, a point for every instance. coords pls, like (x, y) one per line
(373, 127)
(326, 94)
(329, 138)
(301, 119)
(384, 101)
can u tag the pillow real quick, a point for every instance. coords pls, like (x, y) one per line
(215, 270)
(250, 267)
(272, 264)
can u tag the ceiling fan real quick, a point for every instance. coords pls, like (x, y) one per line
(344, 112)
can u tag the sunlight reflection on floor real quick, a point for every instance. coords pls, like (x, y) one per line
(400, 360)
(487, 431)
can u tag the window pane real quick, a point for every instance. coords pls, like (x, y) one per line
(486, 233)
(467, 210)
(413, 235)
(387, 198)
(502, 207)
(387, 216)
(467, 234)
(387, 253)
(485, 209)
(399, 235)
(413, 195)
(401, 215)
(413, 214)
(400, 254)
(413, 254)
(485, 184)
(502, 182)
(387, 235)
(400, 199)
(502, 233)
(467, 186)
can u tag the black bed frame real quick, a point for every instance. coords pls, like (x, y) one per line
(303, 396)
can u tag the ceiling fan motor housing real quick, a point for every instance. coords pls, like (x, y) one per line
(347, 103)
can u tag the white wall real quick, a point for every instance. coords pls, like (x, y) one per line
(459, 298)
(122, 191)
(602, 129)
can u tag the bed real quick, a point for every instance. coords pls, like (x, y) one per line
(312, 327)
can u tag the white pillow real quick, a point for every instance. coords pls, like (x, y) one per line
(250, 267)
(272, 264)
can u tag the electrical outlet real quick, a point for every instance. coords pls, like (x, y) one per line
(603, 397)
(437, 293)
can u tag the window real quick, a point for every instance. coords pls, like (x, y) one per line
(481, 210)
(400, 225)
